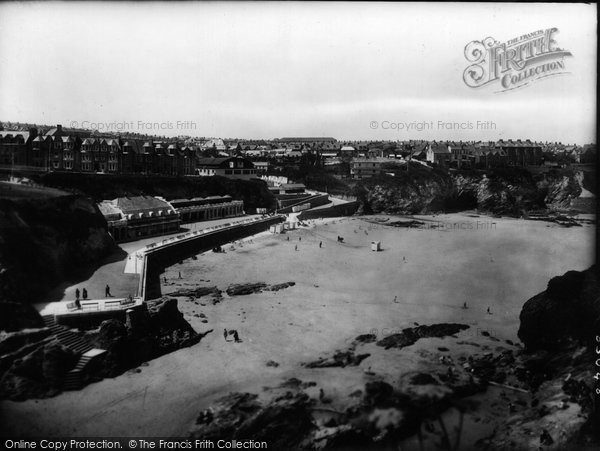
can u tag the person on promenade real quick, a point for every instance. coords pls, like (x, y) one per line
(107, 292)
(85, 294)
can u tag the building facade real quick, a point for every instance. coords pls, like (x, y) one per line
(230, 167)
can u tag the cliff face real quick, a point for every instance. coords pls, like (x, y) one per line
(510, 192)
(43, 241)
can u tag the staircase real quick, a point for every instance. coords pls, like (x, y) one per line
(76, 343)
(73, 380)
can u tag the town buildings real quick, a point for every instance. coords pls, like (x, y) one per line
(232, 167)
(130, 218)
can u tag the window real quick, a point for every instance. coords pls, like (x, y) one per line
(227, 172)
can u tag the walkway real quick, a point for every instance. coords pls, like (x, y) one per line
(112, 270)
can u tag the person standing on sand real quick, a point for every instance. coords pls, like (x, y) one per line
(225, 334)
(84, 292)
(465, 306)
(76, 294)
(320, 244)
(489, 311)
(107, 292)
(396, 299)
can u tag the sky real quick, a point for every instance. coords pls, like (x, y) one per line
(376, 71)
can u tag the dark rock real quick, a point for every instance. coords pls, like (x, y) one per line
(340, 358)
(424, 379)
(283, 423)
(39, 374)
(13, 341)
(16, 316)
(272, 363)
(366, 338)
(279, 286)
(195, 292)
(245, 288)
(411, 335)
(569, 308)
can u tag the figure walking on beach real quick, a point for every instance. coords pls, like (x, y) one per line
(107, 292)
(320, 244)
(396, 299)
(489, 311)
(225, 334)
(296, 247)
(76, 294)
(465, 306)
(84, 293)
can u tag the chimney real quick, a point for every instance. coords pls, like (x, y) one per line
(59, 128)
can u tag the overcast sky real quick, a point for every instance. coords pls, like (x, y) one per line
(265, 70)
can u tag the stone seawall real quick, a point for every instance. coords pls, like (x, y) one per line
(347, 209)
(157, 259)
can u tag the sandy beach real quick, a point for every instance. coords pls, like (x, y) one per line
(341, 290)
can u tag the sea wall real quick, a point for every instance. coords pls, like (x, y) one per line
(346, 209)
(166, 254)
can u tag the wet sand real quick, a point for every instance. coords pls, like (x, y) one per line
(342, 290)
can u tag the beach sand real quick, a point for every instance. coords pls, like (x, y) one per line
(341, 290)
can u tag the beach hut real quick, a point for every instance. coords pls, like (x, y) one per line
(376, 246)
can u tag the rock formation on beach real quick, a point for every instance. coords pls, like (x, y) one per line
(33, 364)
(569, 308)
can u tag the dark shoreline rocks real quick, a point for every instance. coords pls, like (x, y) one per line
(411, 335)
(569, 308)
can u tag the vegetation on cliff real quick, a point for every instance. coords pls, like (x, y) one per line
(254, 193)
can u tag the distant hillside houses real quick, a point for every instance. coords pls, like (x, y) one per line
(55, 148)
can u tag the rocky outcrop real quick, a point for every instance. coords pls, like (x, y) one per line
(283, 423)
(505, 191)
(34, 365)
(411, 335)
(45, 241)
(16, 316)
(569, 308)
(238, 289)
(38, 374)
